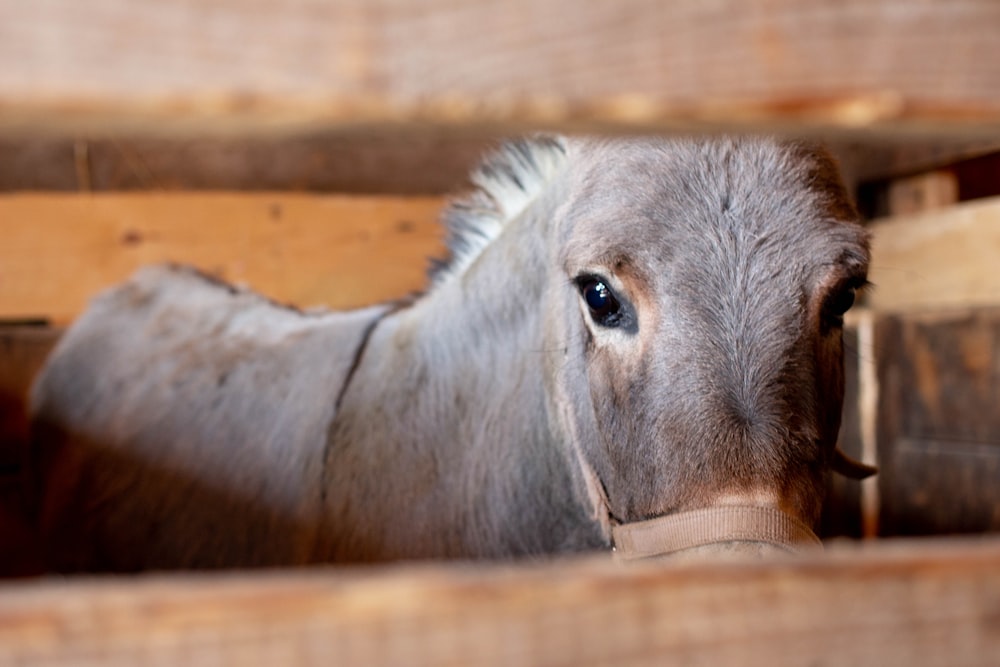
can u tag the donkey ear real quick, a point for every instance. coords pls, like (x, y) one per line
(848, 467)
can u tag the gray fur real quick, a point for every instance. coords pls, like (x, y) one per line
(183, 424)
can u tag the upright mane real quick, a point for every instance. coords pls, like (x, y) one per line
(504, 184)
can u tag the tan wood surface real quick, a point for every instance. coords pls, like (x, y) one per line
(188, 66)
(923, 192)
(938, 423)
(943, 259)
(308, 250)
(930, 603)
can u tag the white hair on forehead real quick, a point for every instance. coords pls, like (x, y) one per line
(505, 183)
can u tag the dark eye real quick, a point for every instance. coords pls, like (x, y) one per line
(604, 307)
(840, 302)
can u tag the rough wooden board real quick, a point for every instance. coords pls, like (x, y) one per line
(308, 250)
(897, 604)
(224, 65)
(929, 191)
(399, 162)
(939, 427)
(870, 159)
(944, 259)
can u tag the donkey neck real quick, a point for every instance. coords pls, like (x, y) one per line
(447, 417)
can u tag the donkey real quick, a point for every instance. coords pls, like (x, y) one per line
(635, 344)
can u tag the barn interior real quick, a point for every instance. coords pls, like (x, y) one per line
(306, 148)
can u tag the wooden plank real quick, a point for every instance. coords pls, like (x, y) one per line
(308, 250)
(872, 159)
(944, 259)
(188, 66)
(899, 604)
(923, 192)
(386, 162)
(955, 177)
(939, 428)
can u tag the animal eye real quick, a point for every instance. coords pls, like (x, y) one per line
(604, 307)
(840, 302)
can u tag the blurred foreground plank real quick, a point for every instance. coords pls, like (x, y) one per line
(896, 603)
(219, 66)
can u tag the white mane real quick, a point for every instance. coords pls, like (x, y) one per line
(505, 183)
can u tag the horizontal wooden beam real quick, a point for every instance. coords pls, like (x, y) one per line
(195, 66)
(308, 250)
(912, 603)
(400, 161)
(384, 162)
(942, 259)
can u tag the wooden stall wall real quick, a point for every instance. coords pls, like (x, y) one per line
(927, 341)
(303, 148)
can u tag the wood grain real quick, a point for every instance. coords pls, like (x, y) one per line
(939, 428)
(921, 193)
(945, 259)
(184, 66)
(307, 250)
(397, 160)
(383, 162)
(898, 604)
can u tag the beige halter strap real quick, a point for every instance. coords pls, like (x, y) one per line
(695, 528)
(712, 525)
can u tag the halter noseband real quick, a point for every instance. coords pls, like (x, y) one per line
(691, 529)
(712, 525)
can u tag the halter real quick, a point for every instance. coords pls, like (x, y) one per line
(680, 531)
(711, 525)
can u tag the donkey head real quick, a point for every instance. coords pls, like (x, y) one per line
(696, 328)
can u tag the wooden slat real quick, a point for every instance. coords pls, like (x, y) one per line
(385, 162)
(869, 159)
(921, 193)
(944, 259)
(225, 65)
(308, 250)
(939, 428)
(399, 161)
(910, 604)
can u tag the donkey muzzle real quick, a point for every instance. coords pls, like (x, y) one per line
(755, 529)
